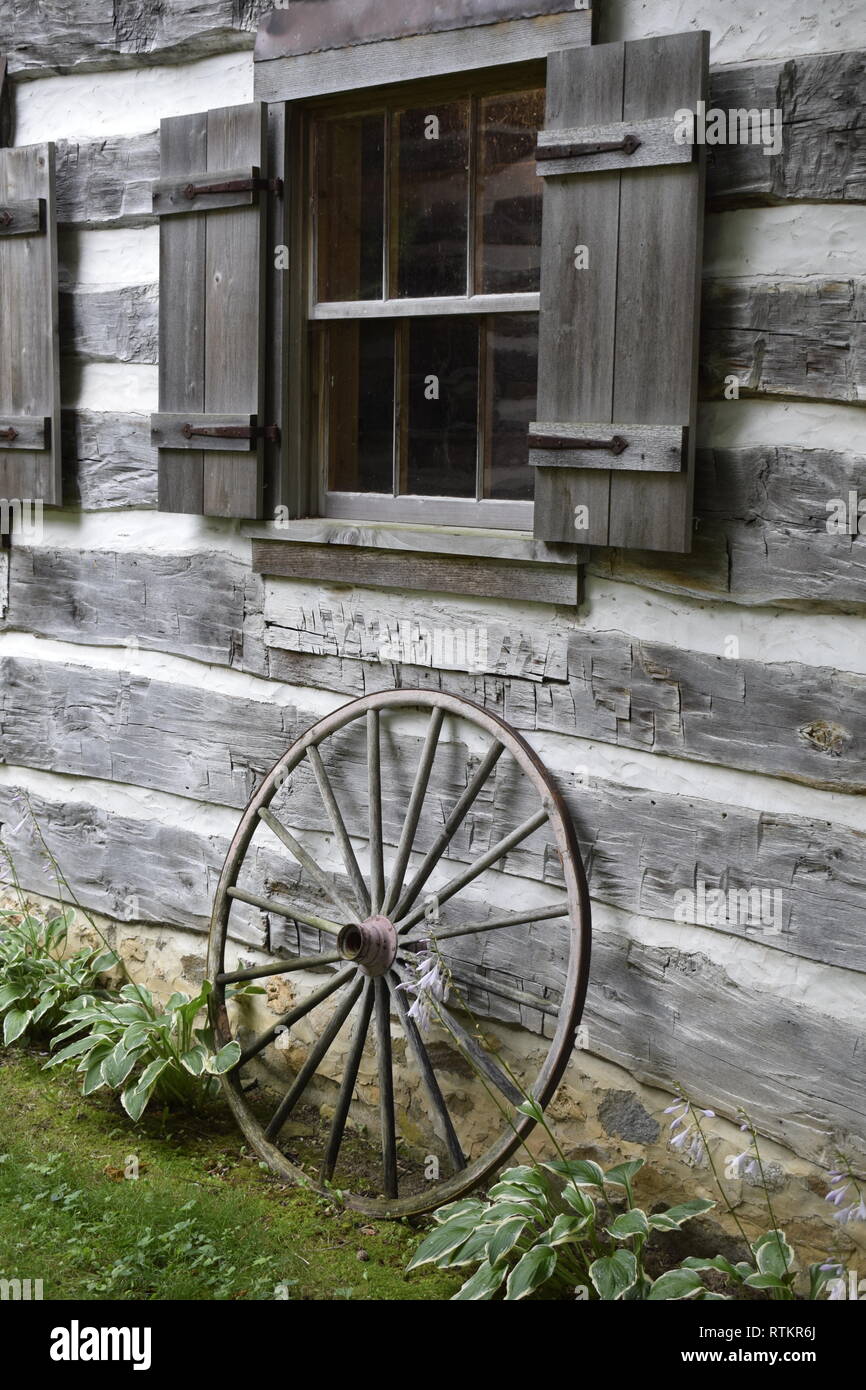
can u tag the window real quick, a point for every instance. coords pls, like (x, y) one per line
(425, 277)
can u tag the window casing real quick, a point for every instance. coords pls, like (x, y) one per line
(424, 245)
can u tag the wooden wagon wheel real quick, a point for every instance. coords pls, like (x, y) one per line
(376, 921)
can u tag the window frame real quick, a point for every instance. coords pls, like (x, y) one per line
(306, 445)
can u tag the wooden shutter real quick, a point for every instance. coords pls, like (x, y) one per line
(619, 339)
(212, 200)
(29, 339)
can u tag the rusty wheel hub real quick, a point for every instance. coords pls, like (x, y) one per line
(372, 945)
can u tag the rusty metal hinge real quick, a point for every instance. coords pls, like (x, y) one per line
(627, 145)
(193, 190)
(269, 432)
(9, 434)
(616, 445)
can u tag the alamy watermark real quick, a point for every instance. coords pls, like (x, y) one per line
(755, 909)
(22, 516)
(736, 126)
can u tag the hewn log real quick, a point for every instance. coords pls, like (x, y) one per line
(802, 722)
(762, 534)
(678, 1013)
(107, 182)
(116, 325)
(86, 35)
(823, 156)
(640, 847)
(785, 338)
(108, 461)
(202, 605)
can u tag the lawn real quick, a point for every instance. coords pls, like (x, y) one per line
(201, 1221)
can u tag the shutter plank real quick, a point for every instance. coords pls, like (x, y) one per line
(234, 334)
(29, 334)
(619, 339)
(584, 86)
(658, 296)
(182, 241)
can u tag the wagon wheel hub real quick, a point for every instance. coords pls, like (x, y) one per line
(372, 945)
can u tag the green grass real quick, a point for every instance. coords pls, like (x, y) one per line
(202, 1221)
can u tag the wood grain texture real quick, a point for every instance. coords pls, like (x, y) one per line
(29, 326)
(657, 145)
(116, 325)
(89, 35)
(107, 182)
(108, 461)
(205, 606)
(801, 339)
(658, 282)
(823, 157)
(417, 571)
(762, 533)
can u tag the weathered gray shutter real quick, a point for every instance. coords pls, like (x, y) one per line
(212, 199)
(29, 338)
(619, 338)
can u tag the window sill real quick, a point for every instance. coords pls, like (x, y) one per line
(482, 563)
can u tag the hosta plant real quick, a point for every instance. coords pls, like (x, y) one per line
(37, 979)
(553, 1227)
(146, 1050)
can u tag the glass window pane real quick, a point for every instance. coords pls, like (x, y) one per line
(508, 252)
(359, 366)
(350, 207)
(512, 385)
(432, 200)
(440, 432)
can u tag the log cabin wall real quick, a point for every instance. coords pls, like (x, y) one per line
(705, 714)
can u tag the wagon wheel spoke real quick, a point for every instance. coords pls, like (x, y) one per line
(311, 1065)
(281, 909)
(296, 1014)
(501, 848)
(281, 967)
(338, 825)
(308, 863)
(374, 788)
(517, 996)
(517, 919)
(416, 804)
(428, 1076)
(477, 1055)
(386, 1089)
(347, 1086)
(450, 828)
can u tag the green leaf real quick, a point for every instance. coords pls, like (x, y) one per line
(106, 960)
(442, 1241)
(9, 994)
(774, 1255)
(628, 1224)
(93, 1078)
(504, 1239)
(225, 1060)
(675, 1216)
(565, 1230)
(117, 1066)
(194, 1060)
(483, 1284)
(613, 1275)
(525, 1176)
(507, 1211)
(531, 1271)
(473, 1251)
(75, 1049)
(581, 1170)
(469, 1206)
(623, 1173)
(135, 1098)
(46, 1003)
(765, 1281)
(676, 1283)
(719, 1262)
(531, 1108)
(16, 1022)
(579, 1200)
